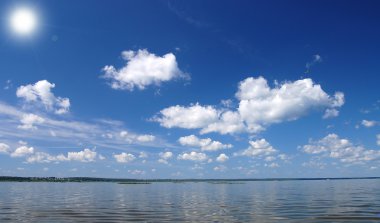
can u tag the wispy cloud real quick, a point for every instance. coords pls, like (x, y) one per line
(186, 17)
(19, 125)
(316, 59)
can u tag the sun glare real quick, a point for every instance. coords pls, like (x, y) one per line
(23, 21)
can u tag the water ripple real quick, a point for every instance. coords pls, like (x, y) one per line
(280, 201)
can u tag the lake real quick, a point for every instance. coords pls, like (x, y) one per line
(258, 201)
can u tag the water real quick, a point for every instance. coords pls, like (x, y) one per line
(276, 201)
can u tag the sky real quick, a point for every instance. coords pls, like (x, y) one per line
(189, 89)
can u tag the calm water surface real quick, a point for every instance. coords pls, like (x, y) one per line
(277, 201)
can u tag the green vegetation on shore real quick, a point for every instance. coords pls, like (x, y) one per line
(148, 181)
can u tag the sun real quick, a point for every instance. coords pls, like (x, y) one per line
(23, 21)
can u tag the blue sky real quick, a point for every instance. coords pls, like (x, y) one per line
(200, 89)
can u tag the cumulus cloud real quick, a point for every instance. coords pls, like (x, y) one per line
(222, 158)
(229, 122)
(193, 156)
(259, 148)
(22, 151)
(4, 148)
(146, 138)
(205, 144)
(40, 92)
(259, 106)
(142, 69)
(86, 155)
(28, 121)
(369, 123)
(378, 139)
(284, 157)
(124, 157)
(130, 137)
(335, 147)
(165, 156)
(192, 117)
(42, 157)
(331, 113)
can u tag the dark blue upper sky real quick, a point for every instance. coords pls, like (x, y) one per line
(218, 46)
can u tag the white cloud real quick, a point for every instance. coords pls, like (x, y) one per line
(228, 103)
(41, 157)
(205, 144)
(143, 69)
(229, 122)
(4, 148)
(316, 59)
(40, 92)
(378, 139)
(164, 156)
(272, 165)
(259, 106)
(220, 168)
(136, 172)
(163, 161)
(68, 132)
(331, 113)
(143, 155)
(215, 145)
(270, 158)
(284, 157)
(197, 167)
(335, 147)
(192, 140)
(124, 157)
(8, 85)
(131, 138)
(146, 138)
(222, 158)
(193, 156)
(86, 155)
(192, 117)
(22, 142)
(124, 134)
(259, 148)
(368, 123)
(22, 151)
(29, 120)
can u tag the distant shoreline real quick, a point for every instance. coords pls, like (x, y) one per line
(137, 181)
